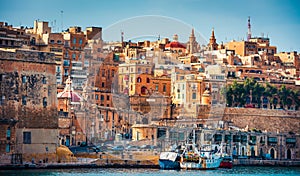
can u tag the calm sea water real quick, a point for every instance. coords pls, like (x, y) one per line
(238, 170)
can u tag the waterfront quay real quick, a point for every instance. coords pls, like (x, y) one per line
(134, 160)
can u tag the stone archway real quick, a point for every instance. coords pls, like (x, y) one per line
(252, 152)
(288, 154)
(261, 152)
(144, 90)
(272, 153)
(243, 151)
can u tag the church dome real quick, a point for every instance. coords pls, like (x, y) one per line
(175, 43)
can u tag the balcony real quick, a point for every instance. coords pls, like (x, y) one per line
(76, 65)
(79, 74)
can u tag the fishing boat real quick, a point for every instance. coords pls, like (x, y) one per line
(169, 160)
(192, 158)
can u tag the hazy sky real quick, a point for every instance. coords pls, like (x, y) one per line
(277, 19)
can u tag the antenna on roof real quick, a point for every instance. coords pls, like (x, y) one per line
(62, 20)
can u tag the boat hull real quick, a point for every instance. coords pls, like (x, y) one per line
(226, 164)
(168, 164)
(205, 165)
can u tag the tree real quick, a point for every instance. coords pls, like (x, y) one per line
(284, 95)
(271, 93)
(228, 93)
(257, 92)
(238, 93)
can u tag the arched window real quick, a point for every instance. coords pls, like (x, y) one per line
(288, 154)
(144, 90)
(272, 153)
(252, 151)
(148, 80)
(139, 79)
(261, 153)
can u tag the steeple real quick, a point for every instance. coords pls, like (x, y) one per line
(192, 34)
(212, 37)
(212, 41)
(192, 44)
(249, 30)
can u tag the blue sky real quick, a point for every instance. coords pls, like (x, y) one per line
(279, 19)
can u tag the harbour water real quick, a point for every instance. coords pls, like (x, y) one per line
(238, 170)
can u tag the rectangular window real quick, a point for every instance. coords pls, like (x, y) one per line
(44, 80)
(103, 84)
(107, 97)
(7, 148)
(194, 96)
(45, 102)
(66, 43)
(74, 56)
(8, 133)
(66, 55)
(178, 96)
(66, 63)
(164, 88)
(113, 73)
(80, 41)
(156, 87)
(102, 97)
(26, 137)
(2, 99)
(66, 72)
(96, 97)
(182, 96)
(23, 79)
(23, 100)
(74, 40)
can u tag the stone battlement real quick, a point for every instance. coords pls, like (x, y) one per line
(27, 56)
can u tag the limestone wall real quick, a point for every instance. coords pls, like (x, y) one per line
(40, 139)
(264, 119)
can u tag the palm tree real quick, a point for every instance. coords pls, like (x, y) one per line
(284, 94)
(257, 92)
(271, 92)
(295, 97)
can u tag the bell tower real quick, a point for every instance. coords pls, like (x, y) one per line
(212, 41)
(192, 43)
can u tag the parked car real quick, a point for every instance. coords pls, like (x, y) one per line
(147, 147)
(132, 148)
(118, 148)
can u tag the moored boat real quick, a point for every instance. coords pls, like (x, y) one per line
(196, 160)
(192, 158)
(226, 162)
(169, 160)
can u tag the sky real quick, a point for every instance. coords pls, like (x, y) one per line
(277, 19)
